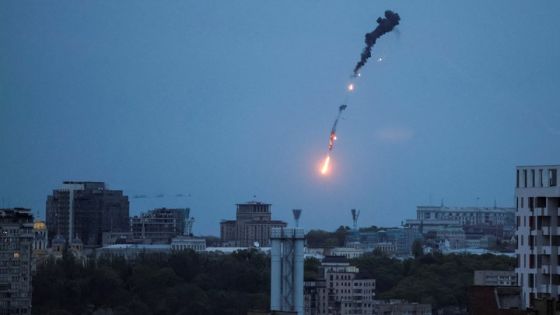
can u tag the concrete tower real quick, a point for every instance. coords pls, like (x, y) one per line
(286, 283)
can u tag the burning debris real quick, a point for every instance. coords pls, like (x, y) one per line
(386, 25)
(332, 137)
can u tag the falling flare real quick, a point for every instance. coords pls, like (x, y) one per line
(325, 167)
(351, 87)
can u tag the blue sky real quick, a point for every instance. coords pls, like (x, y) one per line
(224, 100)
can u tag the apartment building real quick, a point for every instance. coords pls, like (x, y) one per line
(538, 232)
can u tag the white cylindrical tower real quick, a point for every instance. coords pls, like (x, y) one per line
(298, 271)
(275, 273)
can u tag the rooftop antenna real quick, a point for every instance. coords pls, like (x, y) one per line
(355, 216)
(297, 214)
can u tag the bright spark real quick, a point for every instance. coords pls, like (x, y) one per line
(325, 168)
(351, 87)
(379, 59)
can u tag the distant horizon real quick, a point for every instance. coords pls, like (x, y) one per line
(286, 216)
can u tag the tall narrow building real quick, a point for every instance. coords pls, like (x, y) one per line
(16, 241)
(84, 210)
(538, 232)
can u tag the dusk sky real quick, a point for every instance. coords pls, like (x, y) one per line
(225, 100)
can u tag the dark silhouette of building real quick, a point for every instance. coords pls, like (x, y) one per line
(16, 241)
(84, 210)
(253, 224)
(159, 226)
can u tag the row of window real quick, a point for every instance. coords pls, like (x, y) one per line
(530, 178)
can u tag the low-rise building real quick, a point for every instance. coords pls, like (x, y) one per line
(392, 241)
(347, 252)
(132, 251)
(185, 242)
(495, 278)
(159, 226)
(339, 290)
(390, 307)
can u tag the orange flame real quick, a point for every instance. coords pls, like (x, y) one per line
(325, 167)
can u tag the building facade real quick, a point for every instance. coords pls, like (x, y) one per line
(392, 241)
(495, 278)
(84, 210)
(253, 225)
(339, 291)
(538, 232)
(468, 215)
(390, 307)
(159, 226)
(16, 242)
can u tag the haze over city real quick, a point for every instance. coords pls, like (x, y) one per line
(228, 102)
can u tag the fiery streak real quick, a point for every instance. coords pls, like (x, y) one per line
(325, 167)
(351, 87)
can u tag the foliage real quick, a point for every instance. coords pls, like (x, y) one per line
(324, 239)
(417, 249)
(182, 283)
(441, 280)
(311, 269)
(191, 283)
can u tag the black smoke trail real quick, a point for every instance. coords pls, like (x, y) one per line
(386, 25)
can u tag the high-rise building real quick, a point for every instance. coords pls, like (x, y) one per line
(538, 232)
(85, 210)
(253, 224)
(159, 226)
(16, 241)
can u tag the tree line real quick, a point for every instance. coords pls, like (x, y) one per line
(181, 283)
(206, 283)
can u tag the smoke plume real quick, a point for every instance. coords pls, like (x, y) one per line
(386, 25)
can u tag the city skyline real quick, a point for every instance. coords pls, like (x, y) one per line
(221, 102)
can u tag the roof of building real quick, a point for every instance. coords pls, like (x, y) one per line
(15, 215)
(335, 259)
(59, 239)
(39, 225)
(254, 202)
(138, 246)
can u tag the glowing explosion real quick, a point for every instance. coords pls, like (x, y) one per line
(325, 167)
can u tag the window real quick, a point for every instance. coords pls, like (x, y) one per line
(524, 178)
(541, 177)
(540, 202)
(533, 178)
(517, 179)
(552, 177)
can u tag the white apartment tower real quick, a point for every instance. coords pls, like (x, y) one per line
(538, 231)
